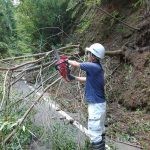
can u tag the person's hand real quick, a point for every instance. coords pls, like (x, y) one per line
(74, 63)
(71, 77)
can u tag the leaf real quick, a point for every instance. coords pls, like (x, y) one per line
(13, 125)
(3, 125)
(32, 133)
(23, 128)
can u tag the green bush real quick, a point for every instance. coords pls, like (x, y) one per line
(42, 20)
(62, 139)
(3, 47)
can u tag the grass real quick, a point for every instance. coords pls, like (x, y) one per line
(64, 137)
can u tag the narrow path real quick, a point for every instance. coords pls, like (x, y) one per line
(47, 113)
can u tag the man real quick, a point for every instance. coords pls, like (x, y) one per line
(94, 94)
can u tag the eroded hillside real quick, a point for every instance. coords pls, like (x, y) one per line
(127, 77)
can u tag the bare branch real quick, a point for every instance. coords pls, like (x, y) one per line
(130, 144)
(114, 53)
(30, 62)
(39, 66)
(46, 54)
(39, 54)
(35, 90)
(16, 80)
(8, 93)
(22, 57)
(108, 53)
(4, 88)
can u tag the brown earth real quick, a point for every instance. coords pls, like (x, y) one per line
(128, 126)
(131, 79)
(127, 78)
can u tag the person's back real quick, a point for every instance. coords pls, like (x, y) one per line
(94, 88)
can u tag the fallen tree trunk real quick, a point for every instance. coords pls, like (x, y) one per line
(107, 53)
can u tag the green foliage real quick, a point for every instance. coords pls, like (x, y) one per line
(61, 139)
(7, 26)
(83, 26)
(109, 23)
(7, 23)
(34, 25)
(23, 136)
(43, 21)
(138, 3)
(122, 30)
(3, 47)
(91, 2)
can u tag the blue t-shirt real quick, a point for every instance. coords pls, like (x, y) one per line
(94, 88)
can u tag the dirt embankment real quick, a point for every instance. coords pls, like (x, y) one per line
(128, 81)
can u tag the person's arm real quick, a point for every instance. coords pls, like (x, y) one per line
(81, 79)
(72, 77)
(74, 63)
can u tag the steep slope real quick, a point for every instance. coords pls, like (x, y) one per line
(127, 78)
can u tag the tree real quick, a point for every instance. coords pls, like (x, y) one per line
(46, 21)
(7, 25)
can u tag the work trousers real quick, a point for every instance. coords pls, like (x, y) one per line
(96, 121)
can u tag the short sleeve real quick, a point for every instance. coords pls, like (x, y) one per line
(90, 67)
(85, 66)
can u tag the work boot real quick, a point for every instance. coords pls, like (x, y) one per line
(98, 145)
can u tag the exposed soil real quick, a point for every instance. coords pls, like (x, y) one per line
(128, 78)
(131, 82)
(132, 126)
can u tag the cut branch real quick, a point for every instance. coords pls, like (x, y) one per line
(36, 61)
(107, 53)
(22, 57)
(39, 54)
(35, 90)
(4, 89)
(114, 53)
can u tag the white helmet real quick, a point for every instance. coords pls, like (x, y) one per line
(97, 49)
